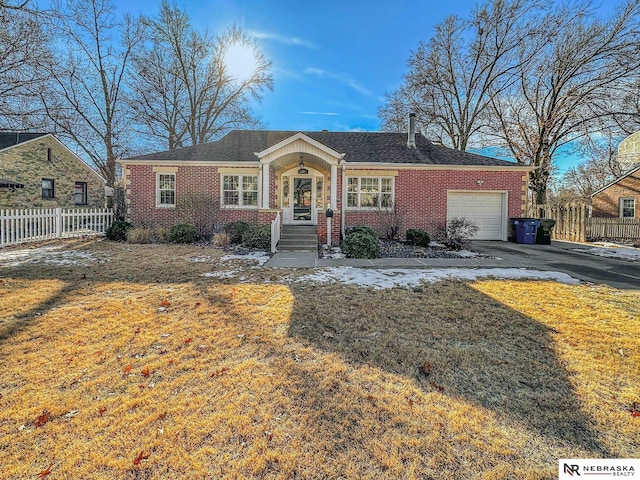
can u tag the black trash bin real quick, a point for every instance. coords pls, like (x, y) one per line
(543, 236)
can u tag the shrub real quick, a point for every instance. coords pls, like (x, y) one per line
(160, 235)
(390, 221)
(220, 239)
(118, 231)
(139, 235)
(458, 233)
(199, 209)
(416, 236)
(365, 229)
(184, 233)
(235, 230)
(360, 245)
(258, 237)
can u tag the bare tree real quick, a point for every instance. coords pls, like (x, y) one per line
(23, 52)
(451, 76)
(577, 63)
(599, 169)
(182, 90)
(84, 98)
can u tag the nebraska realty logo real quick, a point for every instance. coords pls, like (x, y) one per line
(598, 468)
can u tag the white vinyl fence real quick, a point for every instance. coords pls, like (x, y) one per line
(36, 224)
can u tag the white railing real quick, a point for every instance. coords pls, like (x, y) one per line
(36, 224)
(275, 232)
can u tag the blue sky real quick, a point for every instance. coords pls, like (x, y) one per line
(333, 60)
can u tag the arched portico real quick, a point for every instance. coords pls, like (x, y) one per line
(321, 163)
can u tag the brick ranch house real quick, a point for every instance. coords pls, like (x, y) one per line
(256, 174)
(619, 198)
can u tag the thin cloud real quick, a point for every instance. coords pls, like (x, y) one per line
(341, 77)
(299, 42)
(319, 113)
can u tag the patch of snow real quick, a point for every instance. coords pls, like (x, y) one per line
(201, 259)
(613, 251)
(607, 244)
(389, 278)
(48, 255)
(260, 257)
(221, 274)
(467, 254)
(436, 244)
(332, 252)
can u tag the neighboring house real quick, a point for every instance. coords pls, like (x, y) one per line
(620, 198)
(39, 171)
(252, 175)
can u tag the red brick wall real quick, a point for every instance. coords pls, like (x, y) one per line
(421, 195)
(607, 202)
(189, 180)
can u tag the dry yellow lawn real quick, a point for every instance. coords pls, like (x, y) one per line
(141, 368)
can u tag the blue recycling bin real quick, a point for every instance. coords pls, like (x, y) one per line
(526, 230)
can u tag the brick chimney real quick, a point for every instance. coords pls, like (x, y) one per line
(411, 139)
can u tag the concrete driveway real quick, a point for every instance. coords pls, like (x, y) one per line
(563, 257)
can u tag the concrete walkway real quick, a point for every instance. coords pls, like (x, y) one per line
(560, 256)
(292, 259)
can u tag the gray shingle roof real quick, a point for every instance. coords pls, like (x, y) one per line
(9, 139)
(367, 147)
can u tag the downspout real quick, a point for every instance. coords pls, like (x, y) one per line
(343, 196)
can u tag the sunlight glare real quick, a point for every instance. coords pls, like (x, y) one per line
(240, 61)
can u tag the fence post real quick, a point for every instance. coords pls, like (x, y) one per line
(58, 222)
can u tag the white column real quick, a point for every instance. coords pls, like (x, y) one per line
(333, 198)
(264, 170)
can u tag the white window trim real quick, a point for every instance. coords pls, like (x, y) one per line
(370, 209)
(165, 205)
(621, 206)
(240, 206)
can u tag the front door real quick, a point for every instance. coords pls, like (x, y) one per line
(302, 200)
(302, 196)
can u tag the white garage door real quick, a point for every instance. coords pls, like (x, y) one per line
(485, 209)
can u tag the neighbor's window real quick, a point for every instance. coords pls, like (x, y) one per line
(240, 190)
(48, 188)
(628, 207)
(166, 189)
(80, 193)
(369, 192)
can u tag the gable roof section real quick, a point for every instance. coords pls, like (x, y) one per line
(358, 147)
(9, 139)
(25, 138)
(616, 180)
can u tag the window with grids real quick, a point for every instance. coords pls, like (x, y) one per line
(166, 190)
(48, 188)
(240, 190)
(80, 193)
(628, 207)
(369, 192)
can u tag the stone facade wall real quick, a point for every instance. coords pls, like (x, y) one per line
(29, 163)
(607, 202)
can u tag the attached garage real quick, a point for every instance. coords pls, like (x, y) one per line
(488, 210)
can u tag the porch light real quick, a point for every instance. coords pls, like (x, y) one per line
(301, 169)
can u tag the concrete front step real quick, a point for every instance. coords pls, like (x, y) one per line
(298, 237)
(299, 229)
